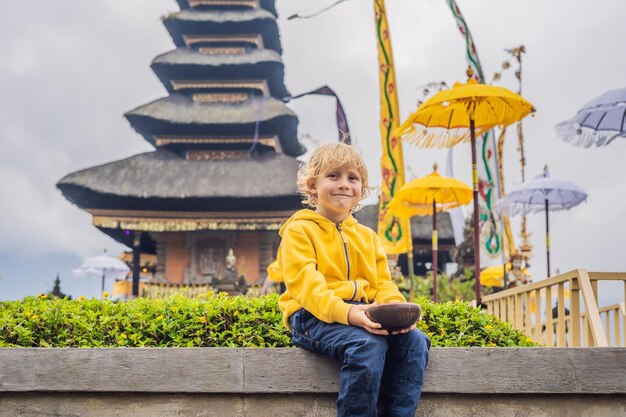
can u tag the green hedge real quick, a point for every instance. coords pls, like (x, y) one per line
(209, 320)
(457, 324)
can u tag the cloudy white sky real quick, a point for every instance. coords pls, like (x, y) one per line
(69, 70)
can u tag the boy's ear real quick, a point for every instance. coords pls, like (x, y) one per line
(311, 184)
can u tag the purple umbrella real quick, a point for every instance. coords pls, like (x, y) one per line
(599, 122)
(543, 193)
(102, 266)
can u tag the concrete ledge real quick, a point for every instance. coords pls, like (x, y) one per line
(241, 370)
(254, 382)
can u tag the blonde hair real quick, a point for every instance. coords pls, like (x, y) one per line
(330, 156)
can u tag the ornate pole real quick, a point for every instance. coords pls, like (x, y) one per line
(547, 236)
(435, 242)
(136, 262)
(475, 214)
(517, 53)
(547, 208)
(518, 255)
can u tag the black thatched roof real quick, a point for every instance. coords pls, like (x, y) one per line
(187, 64)
(421, 227)
(205, 22)
(266, 4)
(163, 180)
(178, 114)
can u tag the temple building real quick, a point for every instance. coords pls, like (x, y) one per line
(222, 175)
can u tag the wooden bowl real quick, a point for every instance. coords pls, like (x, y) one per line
(394, 316)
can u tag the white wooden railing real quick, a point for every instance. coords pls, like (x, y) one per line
(530, 309)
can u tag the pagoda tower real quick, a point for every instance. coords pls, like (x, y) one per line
(222, 175)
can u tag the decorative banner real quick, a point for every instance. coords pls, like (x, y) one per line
(394, 233)
(492, 250)
(489, 187)
(472, 55)
(342, 121)
(509, 244)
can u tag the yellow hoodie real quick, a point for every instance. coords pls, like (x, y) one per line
(325, 264)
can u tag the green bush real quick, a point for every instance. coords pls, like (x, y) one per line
(209, 320)
(448, 288)
(457, 324)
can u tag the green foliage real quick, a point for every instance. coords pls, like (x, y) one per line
(457, 324)
(448, 288)
(209, 320)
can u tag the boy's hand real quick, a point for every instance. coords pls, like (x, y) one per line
(408, 329)
(358, 318)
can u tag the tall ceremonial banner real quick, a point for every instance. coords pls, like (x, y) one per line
(489, 170)
(394, 233)
(509, 243)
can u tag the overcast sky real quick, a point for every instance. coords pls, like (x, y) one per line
(70, 69)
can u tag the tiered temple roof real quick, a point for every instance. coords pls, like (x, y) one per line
(232, 4)
(225, 141)
(187, 64)
(163, 180)
(180, 119)
(244, 29)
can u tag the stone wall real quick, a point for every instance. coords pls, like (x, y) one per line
(238, 382)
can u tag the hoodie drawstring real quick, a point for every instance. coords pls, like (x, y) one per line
(345, 249)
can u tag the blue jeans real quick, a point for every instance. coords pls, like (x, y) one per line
(383, 371)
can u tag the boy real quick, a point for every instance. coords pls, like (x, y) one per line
(334, 269)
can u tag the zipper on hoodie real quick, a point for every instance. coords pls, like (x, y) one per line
(345, 250)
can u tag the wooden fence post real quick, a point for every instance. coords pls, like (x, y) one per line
(591, 306)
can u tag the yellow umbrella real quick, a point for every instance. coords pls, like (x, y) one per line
(493, 276)
(456, 115)
(427, 196)
(444, 120)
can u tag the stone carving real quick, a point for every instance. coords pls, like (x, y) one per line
(231, 282)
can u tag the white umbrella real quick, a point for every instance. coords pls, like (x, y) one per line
(102, 266)
(543, 193)
(599, 122)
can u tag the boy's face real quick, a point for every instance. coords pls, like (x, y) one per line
(338, 191)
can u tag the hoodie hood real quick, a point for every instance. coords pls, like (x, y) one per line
(321, 221)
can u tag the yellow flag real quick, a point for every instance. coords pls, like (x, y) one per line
(394, 233)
